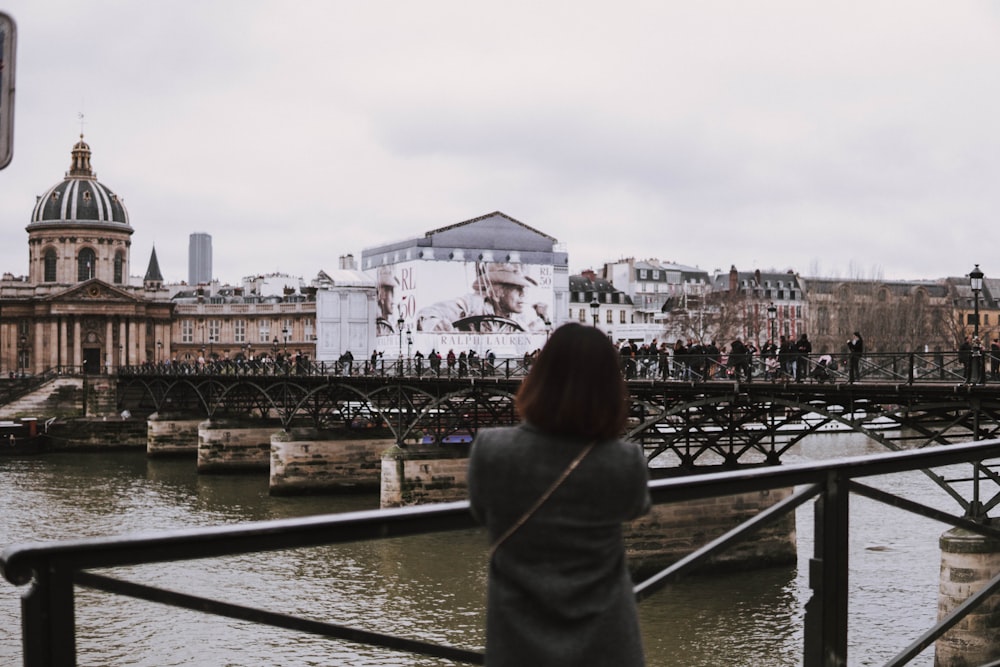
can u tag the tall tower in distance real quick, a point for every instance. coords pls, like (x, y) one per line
(200, 259)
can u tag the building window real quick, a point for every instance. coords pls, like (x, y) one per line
(621, 317)
(240, 331)
(50, 266)
(609, 316)
(307, 327)
(187, 331)
(214, 329)
(86, 264)
(823, 320)
(119, 268)
(264, 332)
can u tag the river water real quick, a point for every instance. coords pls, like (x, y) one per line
(433, 586)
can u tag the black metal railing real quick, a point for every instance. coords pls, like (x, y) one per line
(54, 570)
(894, 367)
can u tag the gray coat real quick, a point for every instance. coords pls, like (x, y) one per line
(559, 592)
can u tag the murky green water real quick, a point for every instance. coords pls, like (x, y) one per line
(430, 587)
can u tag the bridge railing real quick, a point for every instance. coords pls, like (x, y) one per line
(54, 570)
(388, 368)
(895, 367)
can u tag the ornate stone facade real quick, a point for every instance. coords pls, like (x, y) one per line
(75, 309)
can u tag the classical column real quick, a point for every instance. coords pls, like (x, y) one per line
(122, 338)
(133, 340)
(77, 343)
(54, 343)
(141, 347)
(39, 346)
(64, 359)
(109, 345)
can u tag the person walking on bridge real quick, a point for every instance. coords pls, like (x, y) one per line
(553, 493)
(856, 348)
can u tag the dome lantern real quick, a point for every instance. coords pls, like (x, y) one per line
(80, 168)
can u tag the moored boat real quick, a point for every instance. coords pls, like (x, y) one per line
(20, 436)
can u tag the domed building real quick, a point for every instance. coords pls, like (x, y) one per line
(79, 229)
(75, 309)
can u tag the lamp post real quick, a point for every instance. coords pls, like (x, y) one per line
(772, 318)
(548, 328)
(159, 351)
(274, 349)
(976, 282)
(284, 332)
(399, 327)
(594, 307)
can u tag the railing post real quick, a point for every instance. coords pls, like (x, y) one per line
(48, 625)
(826, 611)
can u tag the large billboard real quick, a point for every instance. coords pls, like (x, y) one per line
(503, 307)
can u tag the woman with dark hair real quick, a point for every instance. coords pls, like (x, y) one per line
(553, 493)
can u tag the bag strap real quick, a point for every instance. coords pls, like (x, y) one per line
(541, 500)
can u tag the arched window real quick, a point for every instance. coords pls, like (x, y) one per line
(119, 266)
(86, 265)
(49, 260)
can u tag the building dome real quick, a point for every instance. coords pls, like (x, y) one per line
(80, 198)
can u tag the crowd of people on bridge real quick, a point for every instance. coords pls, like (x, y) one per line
(688, 360)
(693, 360)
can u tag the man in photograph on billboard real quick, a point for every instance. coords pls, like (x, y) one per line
(496, 304)
(386, 298)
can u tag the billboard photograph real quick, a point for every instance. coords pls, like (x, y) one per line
(503, 307)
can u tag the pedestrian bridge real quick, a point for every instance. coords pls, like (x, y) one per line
(685, 426)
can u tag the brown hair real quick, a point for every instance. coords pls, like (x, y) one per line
(575, 387)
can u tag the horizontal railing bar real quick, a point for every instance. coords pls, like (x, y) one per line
(678, 569)
(18, 561)
(923, 510)
(275, 619)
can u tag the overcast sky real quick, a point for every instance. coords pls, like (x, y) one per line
(840, 139)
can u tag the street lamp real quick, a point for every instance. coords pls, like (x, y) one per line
(274, 349)
(22, 354)
(976, 282)
(284, 332)
(159, 351)
(399, 327)
(594, 307)
(772, 317)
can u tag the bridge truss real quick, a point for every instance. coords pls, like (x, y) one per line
(684, 427)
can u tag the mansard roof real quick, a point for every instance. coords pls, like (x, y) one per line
(492, 237)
